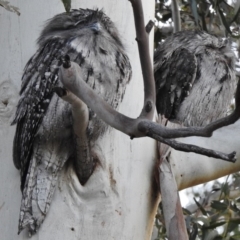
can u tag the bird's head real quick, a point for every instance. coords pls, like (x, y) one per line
(67, 25)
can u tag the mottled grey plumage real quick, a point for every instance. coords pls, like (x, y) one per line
(195, 79)
(44, 136)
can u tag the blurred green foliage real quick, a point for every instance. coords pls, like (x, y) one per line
(219, 17)
(215, 216)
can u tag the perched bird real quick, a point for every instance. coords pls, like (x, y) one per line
(195, 78)
(44, 138)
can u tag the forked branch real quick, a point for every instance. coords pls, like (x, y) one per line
(143, 125)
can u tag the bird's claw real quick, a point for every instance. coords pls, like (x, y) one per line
(60, 91)
(66, 62)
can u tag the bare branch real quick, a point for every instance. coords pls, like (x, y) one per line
(176, 16)
(231, 157)
(145, 59)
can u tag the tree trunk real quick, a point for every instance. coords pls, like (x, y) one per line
(119, 201)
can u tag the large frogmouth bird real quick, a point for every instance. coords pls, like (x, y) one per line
(44, 138)
(195, 78)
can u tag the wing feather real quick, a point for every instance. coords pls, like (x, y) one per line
(174, 77)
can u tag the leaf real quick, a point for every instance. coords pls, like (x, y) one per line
(225, 189)
(219, 205)
(194, 232)
(166, 16)
(214, 225)
(224, 21)
(219, 238)
(232, 225)
(186, 211)
(235, 237)
(204, 220)
(200, 207)
(9, 7)
(219, 215)
(236, 15)
(234, 207)
(235, 220)
(67, 5)
(209, 235)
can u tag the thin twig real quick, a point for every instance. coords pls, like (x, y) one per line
(192, 148)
